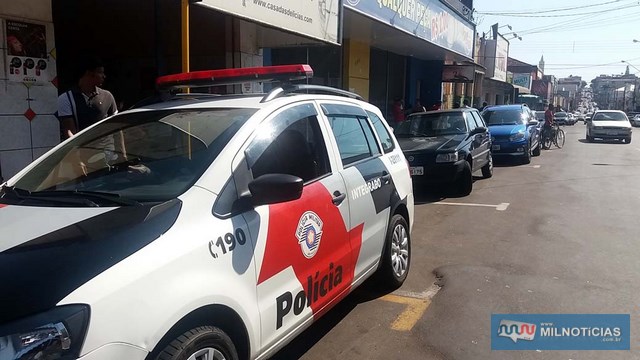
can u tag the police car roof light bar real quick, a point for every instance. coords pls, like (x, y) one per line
(234, 76)
(310, 89)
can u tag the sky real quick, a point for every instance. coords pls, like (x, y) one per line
(576, 37)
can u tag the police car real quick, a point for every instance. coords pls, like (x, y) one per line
(202, 226)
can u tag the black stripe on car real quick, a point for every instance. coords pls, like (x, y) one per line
(37, 274)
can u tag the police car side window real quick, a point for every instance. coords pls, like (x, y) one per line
(295, 147)
(354, 137)
(383, 133)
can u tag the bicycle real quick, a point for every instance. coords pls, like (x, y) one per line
(557, 137)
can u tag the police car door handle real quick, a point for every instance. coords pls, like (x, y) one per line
(386, 177)
(338, 197)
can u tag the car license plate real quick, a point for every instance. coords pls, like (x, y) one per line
(495, 147)
(418, 170)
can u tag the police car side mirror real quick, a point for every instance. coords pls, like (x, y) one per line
(275, 188)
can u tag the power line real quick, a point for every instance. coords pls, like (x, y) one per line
(534, 11)
(569, 15)
(576, 24)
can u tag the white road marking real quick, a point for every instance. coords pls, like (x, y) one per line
(533, 166)
(499, 207)
(425, 295)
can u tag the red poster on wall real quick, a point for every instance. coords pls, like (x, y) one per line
(27, 59)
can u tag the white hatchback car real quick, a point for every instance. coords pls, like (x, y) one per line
(202, 227)
(609, 124)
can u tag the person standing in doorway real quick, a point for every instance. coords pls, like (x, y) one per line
(86, 103)
(417, 107)
(398, 112)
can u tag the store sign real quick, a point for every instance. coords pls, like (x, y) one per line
(458, 74)
(496, 53)
(523, 80)
(313, 18)
(428, 20)
(27, 60)
(502, 53)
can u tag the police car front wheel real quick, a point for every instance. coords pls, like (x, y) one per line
(201, 343)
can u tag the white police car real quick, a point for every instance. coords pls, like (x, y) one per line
(201, 226)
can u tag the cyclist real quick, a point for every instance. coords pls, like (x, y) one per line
(547, 131)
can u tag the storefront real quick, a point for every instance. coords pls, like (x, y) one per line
(138, 41)
(28, 93)
(396, 50)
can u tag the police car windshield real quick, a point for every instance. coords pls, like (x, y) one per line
(144, 156)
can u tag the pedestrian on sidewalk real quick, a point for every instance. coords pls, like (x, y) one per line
(85, 103)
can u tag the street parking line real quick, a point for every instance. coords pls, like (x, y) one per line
(417, 304)
(410, 316)
(499, 207)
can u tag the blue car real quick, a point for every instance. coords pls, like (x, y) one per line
(514, 131)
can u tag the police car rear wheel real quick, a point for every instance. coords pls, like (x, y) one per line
(397, 255)
(201, 343)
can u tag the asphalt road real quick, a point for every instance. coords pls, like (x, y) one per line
(567, 243)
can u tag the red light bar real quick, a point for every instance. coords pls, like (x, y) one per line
(234, 76)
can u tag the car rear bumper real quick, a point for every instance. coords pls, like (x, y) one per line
(439, 173)
(509, 148)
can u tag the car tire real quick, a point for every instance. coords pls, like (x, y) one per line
(589, 138)
(204, 340)
(487, 170)
(526, 158)
(627, 140)
(464, 184)
(537, 150)
(396, 255)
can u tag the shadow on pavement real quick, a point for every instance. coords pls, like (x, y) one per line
(507, 161)
(308, 338)
(428, 194)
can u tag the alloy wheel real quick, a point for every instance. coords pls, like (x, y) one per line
(399, 250)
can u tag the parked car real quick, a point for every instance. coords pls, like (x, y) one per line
(446, 146)
(635, 121)
(561, 118)
(245, 226)
(609, 124)
(514, 131)
(588, 117)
